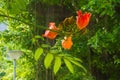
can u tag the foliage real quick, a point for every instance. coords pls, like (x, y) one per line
(98, 49)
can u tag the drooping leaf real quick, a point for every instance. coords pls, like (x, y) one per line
(45, 45)
(48, 59)
(39, 37)
(38, 53)
(54, 51)
(78, 64)
(57, 64)
(33, 40)
(69, 65)
(77, 59)
(74, 58)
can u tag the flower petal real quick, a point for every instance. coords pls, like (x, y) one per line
(67, 42)
(82, 20)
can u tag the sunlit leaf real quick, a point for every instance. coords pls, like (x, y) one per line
(78, 64)
(39, 37)
(69, 65)
(45, 45)
(48, 60)
(57, 64)
(33, 40)
(38, 53)
(54, 51)
(75, 59)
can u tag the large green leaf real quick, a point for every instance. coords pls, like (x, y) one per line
(77, 59)
(48, 60)
(45, 45)
(78, 64)
(69, 65)
(57, 64)
(38, 53)
(74, 58)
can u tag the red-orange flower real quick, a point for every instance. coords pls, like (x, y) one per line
(82, 19)
(67, 42)
(51, 34)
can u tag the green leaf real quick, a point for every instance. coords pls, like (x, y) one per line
(45, 45)
(74, 58)
(38, 53)
(78, 64)
(77, 59)
(53, 51)
(69, 65)
(33, 40)
(48, 60)
(57, 64)
(39, 37)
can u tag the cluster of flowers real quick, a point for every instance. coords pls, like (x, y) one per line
(68, 27)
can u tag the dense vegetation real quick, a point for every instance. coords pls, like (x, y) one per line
(98, 50)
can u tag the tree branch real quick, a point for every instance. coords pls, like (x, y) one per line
(30, 24)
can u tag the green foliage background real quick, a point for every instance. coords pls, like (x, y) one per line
(99, 48)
